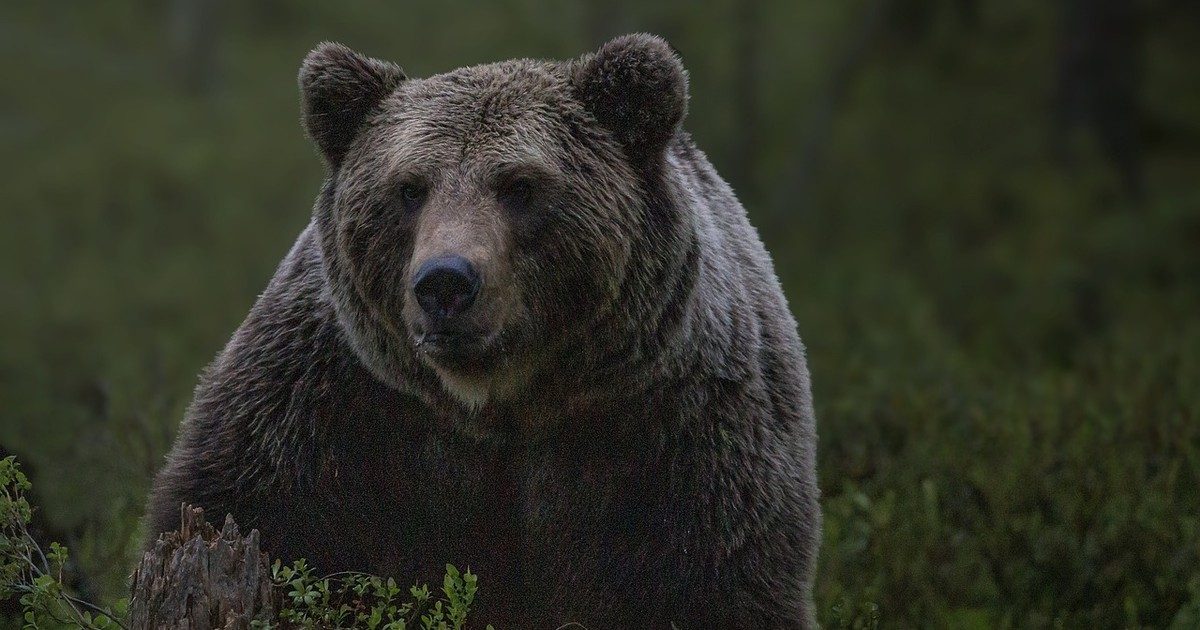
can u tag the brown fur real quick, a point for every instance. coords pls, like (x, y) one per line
(630, 440)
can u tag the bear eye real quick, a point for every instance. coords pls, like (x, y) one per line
(517, 192)
(412, 194)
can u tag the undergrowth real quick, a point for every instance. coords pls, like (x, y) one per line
(39, 581)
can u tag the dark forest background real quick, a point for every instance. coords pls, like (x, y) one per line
(986, 215)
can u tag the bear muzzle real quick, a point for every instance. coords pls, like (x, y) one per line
(445, 287)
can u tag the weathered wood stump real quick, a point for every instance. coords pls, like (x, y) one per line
(200, 579)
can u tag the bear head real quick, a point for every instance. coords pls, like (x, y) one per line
(479, 228)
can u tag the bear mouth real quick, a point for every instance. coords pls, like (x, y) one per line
(460, 350)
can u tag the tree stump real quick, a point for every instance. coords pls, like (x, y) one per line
(197, 578)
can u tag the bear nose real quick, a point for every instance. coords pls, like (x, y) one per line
(446, 286)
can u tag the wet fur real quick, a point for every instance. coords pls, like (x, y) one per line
(649, 457)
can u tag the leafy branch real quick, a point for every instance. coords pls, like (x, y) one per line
(359, 600)
(35, 575)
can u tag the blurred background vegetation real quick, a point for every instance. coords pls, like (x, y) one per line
(986, 214)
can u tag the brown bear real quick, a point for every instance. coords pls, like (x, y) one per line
(529, 330)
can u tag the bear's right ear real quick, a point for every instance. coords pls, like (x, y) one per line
(338, 88)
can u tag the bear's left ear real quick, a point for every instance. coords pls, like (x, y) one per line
(338, 88)
(635, 86)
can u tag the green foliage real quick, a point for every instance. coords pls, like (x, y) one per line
(36, 576)
(357, 600)
(1005, 359)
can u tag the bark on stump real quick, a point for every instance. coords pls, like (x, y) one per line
(200, 579)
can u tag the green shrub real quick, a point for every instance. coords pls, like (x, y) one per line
(358, 600)
(34, 575)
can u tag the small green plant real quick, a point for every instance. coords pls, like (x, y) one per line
(36, 575)
(359, 600)
(849, 615)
